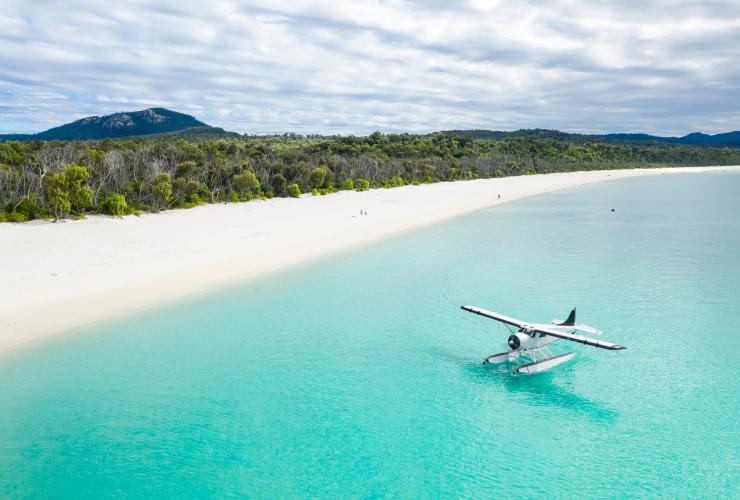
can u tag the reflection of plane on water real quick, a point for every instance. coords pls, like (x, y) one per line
(531, 339)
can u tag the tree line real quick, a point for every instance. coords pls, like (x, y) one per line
(58, 179)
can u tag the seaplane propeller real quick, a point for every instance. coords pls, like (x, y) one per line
(531, 341)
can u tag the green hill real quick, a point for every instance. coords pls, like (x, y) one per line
(125, 124)
(729, 139)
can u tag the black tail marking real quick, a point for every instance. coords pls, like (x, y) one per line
(571, 319)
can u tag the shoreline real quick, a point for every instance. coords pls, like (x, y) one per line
(60, 277)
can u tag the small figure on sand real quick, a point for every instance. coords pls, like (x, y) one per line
(499, 197)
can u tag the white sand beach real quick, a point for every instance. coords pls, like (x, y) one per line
(56, 277)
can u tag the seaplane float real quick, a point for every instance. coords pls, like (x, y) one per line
(528, 344)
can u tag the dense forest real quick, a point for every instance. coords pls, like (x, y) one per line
(58, 179)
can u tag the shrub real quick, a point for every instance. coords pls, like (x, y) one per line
(315, 192)
(204, 193)
(3, 217)
(161, 190)
(278, 184)
(114, 204)
(317, 177)
(16, 217)
(294, 191)
(184, 189)
(397, 181)
(30, 208)
(362, 185)
(233, 197)
(349, 185)
(184, 168)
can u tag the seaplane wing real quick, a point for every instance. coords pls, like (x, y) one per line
(588, 329)
(579, 338)
(494, 315)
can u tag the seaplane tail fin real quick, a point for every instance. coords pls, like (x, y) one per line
(571, 319)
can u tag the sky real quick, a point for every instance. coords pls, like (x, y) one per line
(356, 66)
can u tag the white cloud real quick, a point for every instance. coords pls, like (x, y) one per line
(353, 67)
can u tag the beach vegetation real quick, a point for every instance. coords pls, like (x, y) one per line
(56, 194)
(114, 204)
(161, 191)
(184, 168)
(294, 190)
(57, 179)
(185, 191)
(247, 184)
(318, 176)
(279, 184)
(15, 217)
(30, 206)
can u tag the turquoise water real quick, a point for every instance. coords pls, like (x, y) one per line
(360, 376)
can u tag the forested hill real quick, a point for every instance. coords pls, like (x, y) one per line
(55, 179)
(146, 122)
(729, 139)
(156, 121)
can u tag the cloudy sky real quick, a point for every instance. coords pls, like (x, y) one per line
(664, 67)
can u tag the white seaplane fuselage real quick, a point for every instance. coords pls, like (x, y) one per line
(529, 341)
(526, 339)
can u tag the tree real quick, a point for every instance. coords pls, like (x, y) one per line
(184, 168)
(80, 194)
(185, 190)
(246, 183)
(67, 190)
(161, 191)
(278, 184)
(56, 194)
(318, 177)
(294, 191)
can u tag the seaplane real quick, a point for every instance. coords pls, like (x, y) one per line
(530, 340)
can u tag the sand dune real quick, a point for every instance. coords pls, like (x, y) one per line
(56, 277)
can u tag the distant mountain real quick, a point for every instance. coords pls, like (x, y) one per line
(146, 122)
(730, 139)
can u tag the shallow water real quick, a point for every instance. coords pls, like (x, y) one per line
(360, 376)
